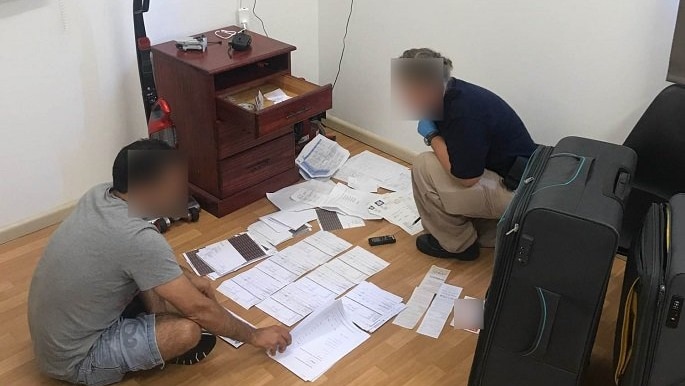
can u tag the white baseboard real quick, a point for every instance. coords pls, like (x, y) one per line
(36, 223)
(371, 139)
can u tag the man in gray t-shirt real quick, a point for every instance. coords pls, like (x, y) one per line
(101, 258)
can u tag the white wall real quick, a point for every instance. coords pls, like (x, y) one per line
(69, 91)
(582, 67)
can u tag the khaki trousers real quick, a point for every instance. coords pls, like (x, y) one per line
(455, 215)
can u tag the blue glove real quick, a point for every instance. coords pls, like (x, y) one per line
(427, 128)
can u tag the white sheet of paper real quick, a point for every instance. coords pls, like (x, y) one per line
(386, 173)
(320, 341)
(276, 271)
(399, 209)
(279, 312)
(277, 96)
(370, 307)
(364, 261)
(330, 280)
(434, 278)
(418, 304)
(238, 294)
(351, 202)
(259, 100)
(269, 234)
(231, 341)
(283, 201)
(222, 257)
(292, 220)
(328, 243)
(438, 312)
(352, 274)
(321, 157)
(303, 296)
(365, 184)
(300, 258)
(259, 283)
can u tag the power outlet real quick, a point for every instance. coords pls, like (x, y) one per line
(243, 17)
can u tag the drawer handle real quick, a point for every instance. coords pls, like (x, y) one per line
(298, 112)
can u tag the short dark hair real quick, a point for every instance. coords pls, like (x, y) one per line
(427, 53)
(141, 161)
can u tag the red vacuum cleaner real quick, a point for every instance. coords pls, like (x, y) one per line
(157, 110)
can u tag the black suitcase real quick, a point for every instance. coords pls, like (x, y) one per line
(555, 248)
(650, 342)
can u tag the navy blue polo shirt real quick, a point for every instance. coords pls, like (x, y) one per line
(481, 131)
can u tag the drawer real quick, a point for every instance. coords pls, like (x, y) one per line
(306, 100)
(256, 165)
(232, 139)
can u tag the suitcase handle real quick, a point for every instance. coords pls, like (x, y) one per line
(619, 188)
(580, 176)
(549, 303)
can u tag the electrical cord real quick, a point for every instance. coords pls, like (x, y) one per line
(254, 11)
(342, 54)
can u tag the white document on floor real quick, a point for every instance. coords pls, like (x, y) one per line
(320, 341)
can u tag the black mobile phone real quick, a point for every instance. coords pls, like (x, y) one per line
(382, 240)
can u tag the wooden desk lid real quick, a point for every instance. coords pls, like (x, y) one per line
(216, 58)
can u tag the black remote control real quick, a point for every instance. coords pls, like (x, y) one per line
(382, 240)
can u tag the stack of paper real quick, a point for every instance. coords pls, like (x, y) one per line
(276, 228)
(320, 341)
(370, 306)
(297, 300)
(282, 199)
(321, 158)
(224, 257)
(341, 199)
(399, 209)
(268, 277)
(366, 170)
(332, 221)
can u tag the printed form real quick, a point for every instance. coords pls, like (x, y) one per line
(320, 341)
(439, 311)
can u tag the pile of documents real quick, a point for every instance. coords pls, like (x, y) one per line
(370, 306)
(321, 158)
(320, 341)
(368, 171)
(265, 279)
(399, 209)
(296, 300)
(432, 285)
(219, 259)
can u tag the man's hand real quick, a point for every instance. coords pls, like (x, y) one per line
(273, 339)
(426, 128)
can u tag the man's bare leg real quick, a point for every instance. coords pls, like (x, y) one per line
(175, 335)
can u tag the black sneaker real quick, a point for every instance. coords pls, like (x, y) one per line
(198, 353)
(430, 246)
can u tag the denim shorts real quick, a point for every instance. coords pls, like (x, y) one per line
(128, 345)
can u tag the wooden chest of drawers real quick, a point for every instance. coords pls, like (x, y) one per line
(236, 155)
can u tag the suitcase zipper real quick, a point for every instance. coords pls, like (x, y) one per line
(537, 165)
(661, 250)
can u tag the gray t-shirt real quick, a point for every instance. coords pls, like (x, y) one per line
(95, 264)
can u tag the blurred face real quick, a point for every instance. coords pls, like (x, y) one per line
(166, 196)
(418, 88)
(422, 100)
